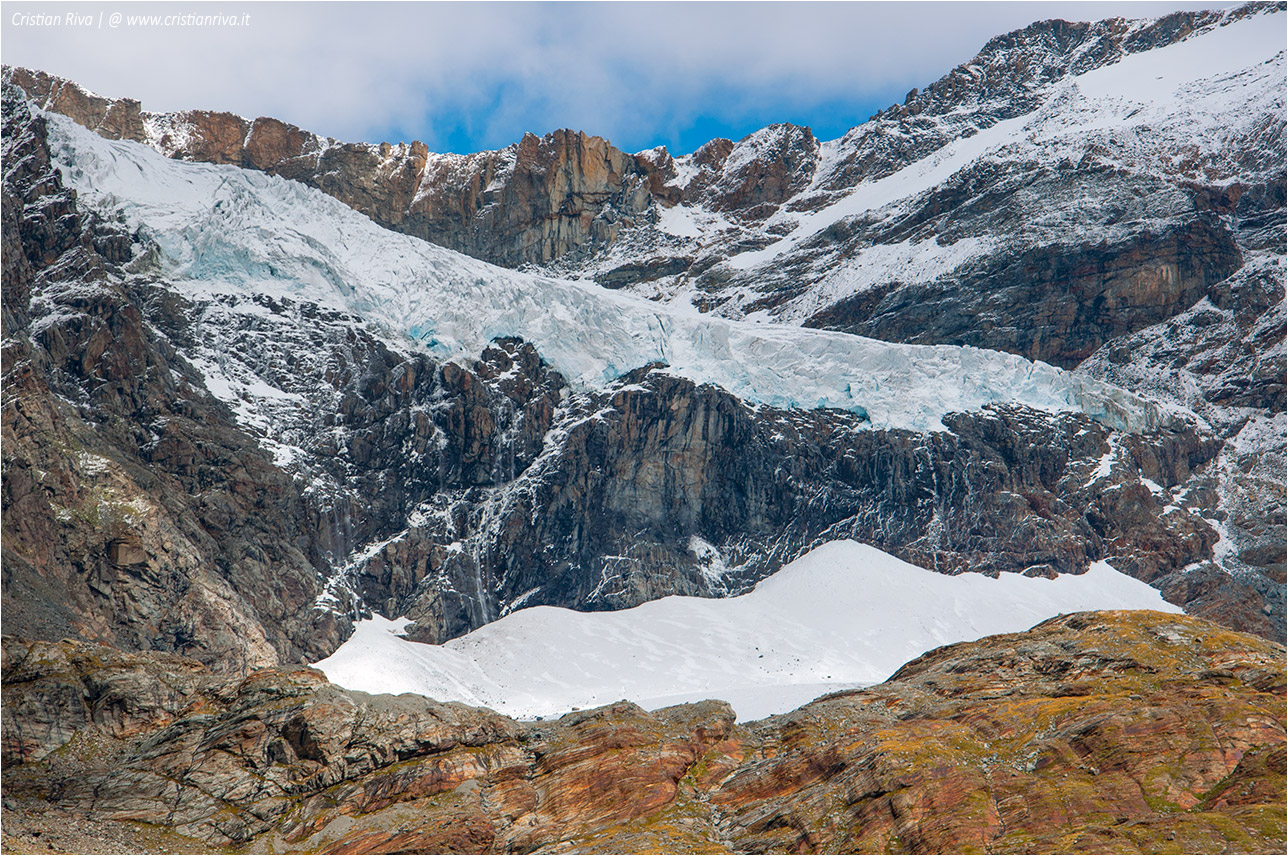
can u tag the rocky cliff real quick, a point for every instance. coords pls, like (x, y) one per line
(1094, 732)
(452, 492)
(1132, 253)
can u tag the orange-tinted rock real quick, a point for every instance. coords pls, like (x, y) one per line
(1094, 732)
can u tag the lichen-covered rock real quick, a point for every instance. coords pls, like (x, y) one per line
(1094, 732)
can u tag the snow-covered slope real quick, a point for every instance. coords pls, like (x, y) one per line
(224, 230)
(1153, 110)
(1207, 108)
(845, 614)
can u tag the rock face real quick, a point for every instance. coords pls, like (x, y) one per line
(382, 480)
(599, 521)
(1057, 304)
(532, 202)
(136, 513)
(1095, 732)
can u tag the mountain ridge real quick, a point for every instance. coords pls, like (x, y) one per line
(583, 179)
(1027, 325)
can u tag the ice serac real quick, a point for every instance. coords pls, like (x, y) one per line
(223, 230)
(1105, 732)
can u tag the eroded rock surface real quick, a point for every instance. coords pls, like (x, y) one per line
(1095, 732)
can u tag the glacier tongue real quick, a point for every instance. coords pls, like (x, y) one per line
(224, 230)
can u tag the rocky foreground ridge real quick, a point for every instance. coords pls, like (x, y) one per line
(1093, 732)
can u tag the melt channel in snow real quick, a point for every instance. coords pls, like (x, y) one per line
(841, 616)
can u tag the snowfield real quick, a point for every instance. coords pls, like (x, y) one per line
(222, 230)
(843, 615)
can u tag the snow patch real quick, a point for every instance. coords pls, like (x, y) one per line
(1106, 463)
(845, 614)
(689, 222)
(711, 562)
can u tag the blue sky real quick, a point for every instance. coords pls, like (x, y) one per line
(469, 76)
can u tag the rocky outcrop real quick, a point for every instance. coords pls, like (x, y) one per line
(1054, 740)
(136, 512)
(1054, 303)
(749, 179)
(541, 199)
(1105, 732)
(607, 516)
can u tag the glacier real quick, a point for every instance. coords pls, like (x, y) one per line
(843, 615)
(221, 231)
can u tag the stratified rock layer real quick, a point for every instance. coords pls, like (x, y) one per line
(1094, 732)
